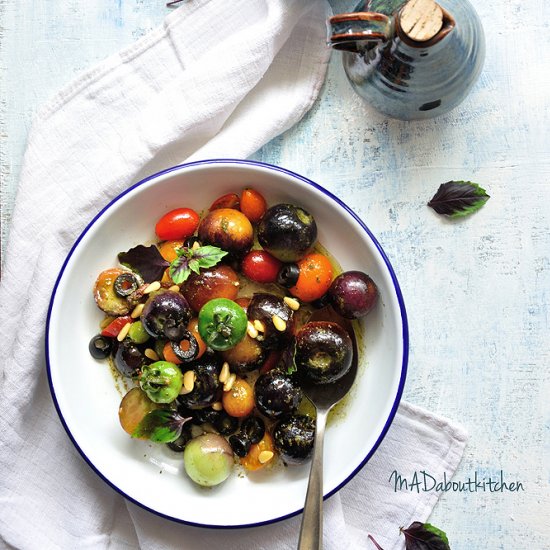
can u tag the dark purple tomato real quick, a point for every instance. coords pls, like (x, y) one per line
(128, 358)
(287, 232)
(294, 438)
(207, 388)
(276, 394)
(323, 353)
(263, 307)
(353, 294)
(164, 312)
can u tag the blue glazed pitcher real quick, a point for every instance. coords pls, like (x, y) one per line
(410, 60)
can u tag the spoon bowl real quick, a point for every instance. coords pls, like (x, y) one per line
(323, 397)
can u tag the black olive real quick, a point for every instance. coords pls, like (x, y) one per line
(190, 241)
(179, 444)
(294, 438)
(276, 394)
(191, 352)
(207, 387)
(128, 358)
(240, 444)
(288, 275)
(263, 307)
(287, 232)
(323, 352)
(225, 424)
(254, 428)
(100, 346)
(125, 284)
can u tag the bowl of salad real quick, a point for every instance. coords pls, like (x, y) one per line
(185, 321)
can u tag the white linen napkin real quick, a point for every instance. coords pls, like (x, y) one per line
(217, 79)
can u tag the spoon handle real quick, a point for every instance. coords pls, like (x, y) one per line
(311, 531)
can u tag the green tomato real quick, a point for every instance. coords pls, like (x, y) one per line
(161, 381)
(222, 323)
(137, 333)
(208, 459)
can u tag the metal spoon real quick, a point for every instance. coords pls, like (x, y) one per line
(323, 397)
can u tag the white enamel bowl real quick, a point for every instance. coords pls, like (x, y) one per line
(85, 394)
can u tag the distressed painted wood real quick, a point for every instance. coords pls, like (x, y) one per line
(477, 290)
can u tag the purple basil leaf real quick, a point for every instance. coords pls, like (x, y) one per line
(161, 426)
(423, 536)
(371, 538)
(145, 260)
(458, 198)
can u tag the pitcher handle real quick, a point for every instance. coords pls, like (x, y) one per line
(354, 31)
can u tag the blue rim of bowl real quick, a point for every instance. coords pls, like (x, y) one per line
(397, 289)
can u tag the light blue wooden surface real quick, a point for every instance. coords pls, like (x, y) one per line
(477, 290)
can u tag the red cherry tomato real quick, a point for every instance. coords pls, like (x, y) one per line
(114, 327)
(260, 266)
(253, 204)
(231, 200)
(177, 224)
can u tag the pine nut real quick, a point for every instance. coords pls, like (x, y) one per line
(260, 338)
(230, 381)
(292, 303)
(251, 330)
(280, 325)
(265, 456)
(137, 311)
(217, 406)
(236, 283)
(189, 381)
(174, 288)
(259, 325)
(152, 287)
(196, 245)
(123, 332)
(224, 373)
(151, 354)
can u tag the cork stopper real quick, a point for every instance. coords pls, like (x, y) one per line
(421, 20)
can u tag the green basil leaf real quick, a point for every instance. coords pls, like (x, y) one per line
(190, 260)
(160, 426)
(145, 260)
(209, 256)
(179, 269)
(423, 536)
(458, 198)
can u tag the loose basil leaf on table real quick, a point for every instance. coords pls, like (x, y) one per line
(421, 536)
(145, 260)
(458, 198)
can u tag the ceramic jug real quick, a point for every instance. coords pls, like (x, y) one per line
(410, 60)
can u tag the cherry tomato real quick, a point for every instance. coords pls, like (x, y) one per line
(251, 461)
(253, 205)
(168, 249)
(239, 400)
(114, 327)
(231, 200)
(315, 277)
(261, 266)
(193, 328)
(222, 323)
(169, 355)
(177, 224)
